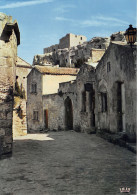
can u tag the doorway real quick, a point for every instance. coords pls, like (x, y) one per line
(92, 107)
(119, 107)
(68, 114)
(46, 118)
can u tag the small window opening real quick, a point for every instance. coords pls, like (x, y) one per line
(108, 67)
(34, 88)
(104, 102)
(35, 115)
(84, 101)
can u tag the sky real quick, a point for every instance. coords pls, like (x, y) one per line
(43, 22)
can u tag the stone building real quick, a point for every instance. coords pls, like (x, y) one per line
(70, 40)
(9, 39)
(41, 81)
(101, 98)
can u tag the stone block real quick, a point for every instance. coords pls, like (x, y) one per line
(2, 131)
(8, 139)
(7, 149)
(6, 123)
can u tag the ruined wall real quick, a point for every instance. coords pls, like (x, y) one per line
(71, 40)
(77, 40)
(9, 39)
(50, 49)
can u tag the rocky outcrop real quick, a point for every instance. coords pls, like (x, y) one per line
(119, 36)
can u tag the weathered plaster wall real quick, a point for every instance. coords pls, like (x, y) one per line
(51, 82)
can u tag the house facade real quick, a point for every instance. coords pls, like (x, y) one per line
(42, 81)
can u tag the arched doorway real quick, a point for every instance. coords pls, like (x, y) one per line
(68, 114)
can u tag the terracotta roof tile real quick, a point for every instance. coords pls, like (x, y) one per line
(56, 70)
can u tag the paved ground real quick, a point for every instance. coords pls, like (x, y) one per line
(67, 163)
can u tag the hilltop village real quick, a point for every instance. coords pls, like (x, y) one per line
(80, 85)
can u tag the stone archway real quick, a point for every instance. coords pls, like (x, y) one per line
(68, 114)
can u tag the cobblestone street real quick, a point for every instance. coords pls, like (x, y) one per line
(67, 163)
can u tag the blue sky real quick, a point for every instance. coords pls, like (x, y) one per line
(43, 22)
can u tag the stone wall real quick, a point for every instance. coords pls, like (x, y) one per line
(71, 40)
(51, 49)
(9, 39)
(122, 60)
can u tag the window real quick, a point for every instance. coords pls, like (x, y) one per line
(108, 67)
(81, 38)
(34, 88)
(104, 102)
(84, 101)
(35, 115)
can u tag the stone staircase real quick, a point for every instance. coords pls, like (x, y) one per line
(19, 119)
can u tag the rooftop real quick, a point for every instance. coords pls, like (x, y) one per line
(22, 63)
(56, 70)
